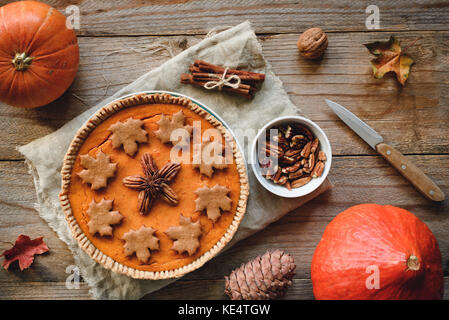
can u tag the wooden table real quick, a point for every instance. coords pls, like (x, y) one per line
(414, 119)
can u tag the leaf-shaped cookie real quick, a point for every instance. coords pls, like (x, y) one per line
(97, 171)
(128, 134)
(141, 242)
(167, 126)
(101, 217)
(390, 58)
(213, 199)
(210, 158)
(185, 235)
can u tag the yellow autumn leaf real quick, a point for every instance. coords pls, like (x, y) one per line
(390, 58)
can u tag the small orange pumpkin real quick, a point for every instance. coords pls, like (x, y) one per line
(39, 55)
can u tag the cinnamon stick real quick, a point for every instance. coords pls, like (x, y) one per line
(208, 67)
(188, 78)
(244, 78)
(203, 72)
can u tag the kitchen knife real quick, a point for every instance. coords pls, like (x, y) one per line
(412, 173)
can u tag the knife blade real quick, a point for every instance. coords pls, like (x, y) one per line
(412, 173)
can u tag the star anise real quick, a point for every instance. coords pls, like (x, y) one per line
(154, 183)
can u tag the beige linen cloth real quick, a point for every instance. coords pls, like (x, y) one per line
(235, 47)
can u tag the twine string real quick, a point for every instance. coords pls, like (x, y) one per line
(223, 81)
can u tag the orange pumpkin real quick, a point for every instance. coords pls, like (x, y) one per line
(371, 251)
(39, 55)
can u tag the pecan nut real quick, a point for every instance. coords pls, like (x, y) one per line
(296, 175)
(314, 145)
(306, 150)
(318, 170)
(300, 182)
(321, 156)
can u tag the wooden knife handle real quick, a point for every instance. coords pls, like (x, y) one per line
(411, 172)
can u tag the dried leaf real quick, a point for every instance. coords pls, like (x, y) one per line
(390, 58)
(24, 250)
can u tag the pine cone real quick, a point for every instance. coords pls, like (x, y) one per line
(265, 277)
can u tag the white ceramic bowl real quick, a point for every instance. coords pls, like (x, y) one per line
(315, 182)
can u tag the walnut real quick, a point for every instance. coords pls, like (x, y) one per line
(312, 43)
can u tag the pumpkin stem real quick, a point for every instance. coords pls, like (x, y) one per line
(21, 61)
(413, 263)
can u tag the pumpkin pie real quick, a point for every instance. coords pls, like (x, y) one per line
(138, 197)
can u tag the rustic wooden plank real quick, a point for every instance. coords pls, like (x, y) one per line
(413, 119)
(130, 17)
(43, 291)
(357, 179)
(18, 216)
(301, 289)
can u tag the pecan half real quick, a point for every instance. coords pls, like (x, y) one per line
(314, 145)
(287, 160)
(311, 161)
(300, 182)
(277, 176)
(306, 168)
(272, 150)
(168, 195)
(306, 150)
(292, 152)
(282, 180)
(293, 168)
(296, 175)
(318, 170)
(322, 156)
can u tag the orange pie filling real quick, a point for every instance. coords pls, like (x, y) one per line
(161, 215)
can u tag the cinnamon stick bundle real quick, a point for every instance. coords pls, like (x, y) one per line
(202, 72)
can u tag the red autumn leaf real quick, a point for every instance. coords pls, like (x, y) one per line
(24, 250)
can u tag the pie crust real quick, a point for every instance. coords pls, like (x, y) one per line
(75, 218)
